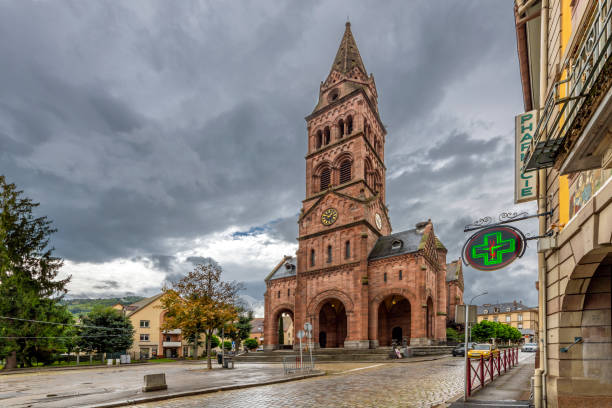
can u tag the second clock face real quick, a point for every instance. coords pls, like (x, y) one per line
(378, 220)
(329, 216)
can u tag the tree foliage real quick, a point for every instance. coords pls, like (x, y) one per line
(117, 334)
(29, 284)
(251, 343)
(240, 329)
(487, 330)
(201, 303)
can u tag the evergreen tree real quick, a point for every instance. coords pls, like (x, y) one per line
(115, 333)
(29, 288)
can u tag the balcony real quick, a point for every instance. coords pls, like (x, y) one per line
(573, 126)
(173, 331)
(171, 344)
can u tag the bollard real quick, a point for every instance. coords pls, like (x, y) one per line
(154, 382)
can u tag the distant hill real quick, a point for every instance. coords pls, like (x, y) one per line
(84, 306)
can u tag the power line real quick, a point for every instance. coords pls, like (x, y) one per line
(57, 337)
(64, 324)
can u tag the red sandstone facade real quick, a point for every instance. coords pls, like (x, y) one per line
(358, 285)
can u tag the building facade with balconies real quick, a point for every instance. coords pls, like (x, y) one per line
(564, 50)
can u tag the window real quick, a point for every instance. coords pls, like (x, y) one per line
(325, 178)
(168, 338)
(494, 318)
(508, 318)
(186, 351)
(507, 309)
(341, 128)
(144, 337)
(289, 292)
(345, 171)
(327, 135)
(385, 276)
(400, 275)
(520, 317)
(329, 254)
(347, 249)
(312, 257)
(520, 325)
(486, 311)
(485, 318)
(144, 353)
(397, 244)
(349, 125)
(365, 128)
(319, 139)
(153, 351)
(144, 323)
(278, 296)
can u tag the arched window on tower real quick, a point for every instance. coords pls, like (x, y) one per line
(329, 254)
(349, 125)
(347, 249)
(345, 171)
(319, 139)
(327, 135)
(367, 172)
(365, 128)
(312, 257)
(341, 128)
(325, 179)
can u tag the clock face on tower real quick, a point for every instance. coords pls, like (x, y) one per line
(329, 216)
(378, 221)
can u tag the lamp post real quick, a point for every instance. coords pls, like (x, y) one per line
(465, 348)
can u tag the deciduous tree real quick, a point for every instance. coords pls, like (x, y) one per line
(201, 303)
(114, 332)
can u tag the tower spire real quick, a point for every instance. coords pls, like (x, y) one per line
(348, 55)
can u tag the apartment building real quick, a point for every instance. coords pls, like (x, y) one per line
(564, 52)
(514, 314)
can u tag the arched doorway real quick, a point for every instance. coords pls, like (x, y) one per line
(283, 329)
(332, 324)
(430, 319)
(394, 320)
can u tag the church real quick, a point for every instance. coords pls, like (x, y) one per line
(357, 283)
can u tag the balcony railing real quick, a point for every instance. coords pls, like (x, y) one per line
(582, 71)
(173, 331)
(171, 344)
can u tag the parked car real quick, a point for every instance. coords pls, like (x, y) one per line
(530, 347)
(485, 350)
(460, 349)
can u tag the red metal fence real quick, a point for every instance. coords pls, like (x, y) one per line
(481, 371)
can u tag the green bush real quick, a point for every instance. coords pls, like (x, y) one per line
(227, 345)
(453, 335)
(251, 344)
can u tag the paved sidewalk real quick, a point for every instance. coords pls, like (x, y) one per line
(95, 387)
(509, 390)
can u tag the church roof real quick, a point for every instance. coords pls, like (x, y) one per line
(348, 56)
(404, 242)
(286, 268)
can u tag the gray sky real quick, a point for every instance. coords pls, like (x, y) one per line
(158, 133)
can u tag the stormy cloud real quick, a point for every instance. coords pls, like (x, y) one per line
(156, 133)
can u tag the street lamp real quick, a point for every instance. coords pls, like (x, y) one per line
(465, 348)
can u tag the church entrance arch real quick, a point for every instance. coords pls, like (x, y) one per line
(282, 328)
(394, 320)
(332, 324)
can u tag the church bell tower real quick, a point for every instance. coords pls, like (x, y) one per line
(345, 159)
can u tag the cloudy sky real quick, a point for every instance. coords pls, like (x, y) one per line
(158, 133)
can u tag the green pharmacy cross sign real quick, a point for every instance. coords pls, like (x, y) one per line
(494, 248)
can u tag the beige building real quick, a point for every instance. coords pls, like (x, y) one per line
(514, 314)
(257, 330)
(564, 51)
(149, 340)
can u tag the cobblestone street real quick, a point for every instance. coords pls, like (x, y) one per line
(377, 385)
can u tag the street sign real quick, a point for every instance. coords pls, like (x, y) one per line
(307, 326)
(460, 314)
(494, 248)
(300, 334)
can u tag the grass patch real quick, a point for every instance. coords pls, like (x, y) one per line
(161, 360)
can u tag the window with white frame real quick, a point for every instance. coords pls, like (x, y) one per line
(144, 337)
(520, 317)
(508, 318)
(144, 323)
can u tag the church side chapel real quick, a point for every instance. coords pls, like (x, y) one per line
(357, 283)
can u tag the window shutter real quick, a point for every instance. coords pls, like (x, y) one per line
(345, 172)
(325, 179)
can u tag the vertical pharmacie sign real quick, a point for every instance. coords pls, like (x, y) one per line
(524, 183)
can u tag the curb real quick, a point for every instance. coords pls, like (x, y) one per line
(68, 368)
(144, 400)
